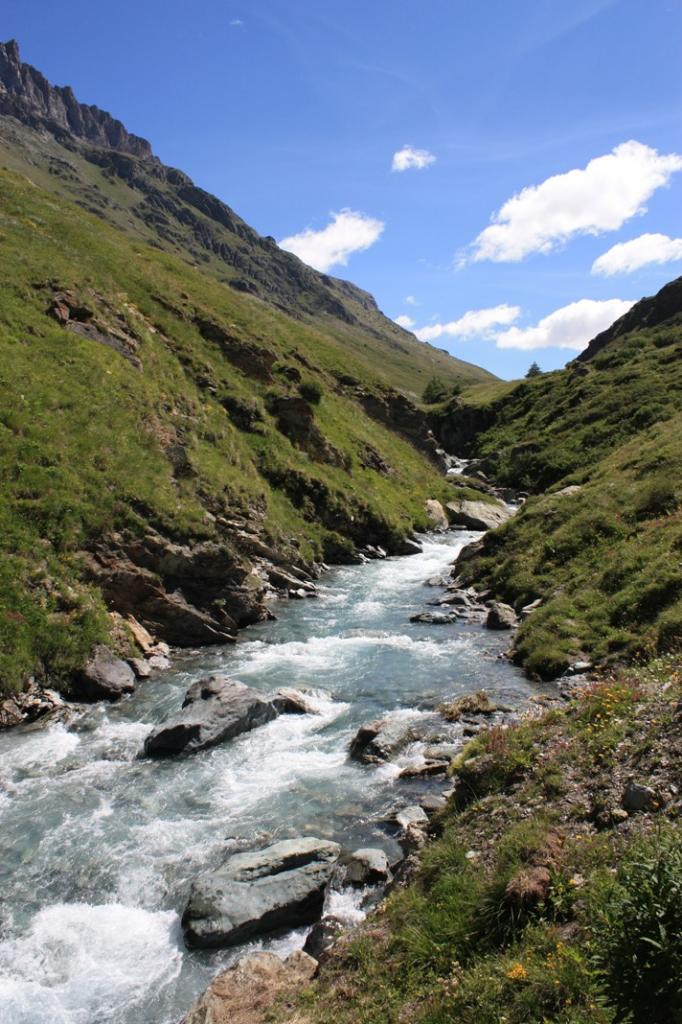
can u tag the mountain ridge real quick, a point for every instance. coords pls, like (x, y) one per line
(116, 176)
(26, 93)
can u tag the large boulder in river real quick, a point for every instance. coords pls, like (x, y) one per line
(436, 514)
(103, 677)
(245, 992)
(282, 886)
(478, 515)
(214, 709)
(381, 740)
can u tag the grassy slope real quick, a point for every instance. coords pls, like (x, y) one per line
(541, 902)
(605, 560)
(93, 178)
(84, 434)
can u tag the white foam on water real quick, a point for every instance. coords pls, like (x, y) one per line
(83, 964)
(370, 608)
(35, 750)
(346, 904)
(332, 596)
(331, 653)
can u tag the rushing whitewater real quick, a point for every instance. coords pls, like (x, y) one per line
(98, 847)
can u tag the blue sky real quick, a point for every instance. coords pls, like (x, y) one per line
(292, 111)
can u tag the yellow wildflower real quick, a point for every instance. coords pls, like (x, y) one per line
(517, 973)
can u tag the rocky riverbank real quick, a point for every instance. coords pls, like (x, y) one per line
(557, 850)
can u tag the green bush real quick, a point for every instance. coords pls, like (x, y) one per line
(638, 933)
(657, 497)
(670, 630)
(311, 391)
(437, 390)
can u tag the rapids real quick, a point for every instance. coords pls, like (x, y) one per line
(98, 847)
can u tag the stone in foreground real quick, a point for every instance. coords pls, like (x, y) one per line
(214, 709)
(368, 867)
(104, 677)
(412, 816)
(245, 992)
(253, 893)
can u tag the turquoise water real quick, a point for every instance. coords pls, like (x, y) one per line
(98, 847)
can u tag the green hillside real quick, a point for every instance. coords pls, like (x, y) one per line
(604, 556)
(167, 402)
(162, 207)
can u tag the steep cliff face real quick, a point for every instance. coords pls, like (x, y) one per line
(27, 95)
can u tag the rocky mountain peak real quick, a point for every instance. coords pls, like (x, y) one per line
(27, 95)
(648, 312)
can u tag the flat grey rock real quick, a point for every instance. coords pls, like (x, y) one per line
(413, 815)
(253, 893)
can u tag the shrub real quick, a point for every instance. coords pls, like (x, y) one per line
(657, 497)
(670, 630)
(437, 390)
(311, 391)
(638, 933)
(533, 370)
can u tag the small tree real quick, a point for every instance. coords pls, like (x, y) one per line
(533, 370)
(437, 391)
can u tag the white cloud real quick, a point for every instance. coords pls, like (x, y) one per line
(408, 157)
(236, 23)
(410, 300)
(590, 200)
(638, 252)
(571, 326)
(348, 232)
(474, 322)
(404, 321)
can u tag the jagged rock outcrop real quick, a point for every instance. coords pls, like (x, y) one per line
(648, 312)
(186, 594)
(253, 893)
(27, 95)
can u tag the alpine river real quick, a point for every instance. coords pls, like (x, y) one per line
(98, 847)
